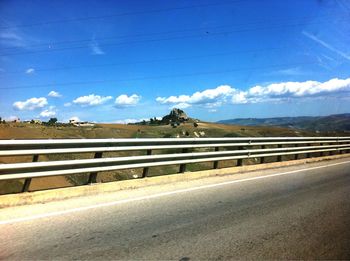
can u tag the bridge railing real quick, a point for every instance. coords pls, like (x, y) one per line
(223, 149)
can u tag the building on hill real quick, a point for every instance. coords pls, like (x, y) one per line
(36, 121)
(77, 123)
(73, 121)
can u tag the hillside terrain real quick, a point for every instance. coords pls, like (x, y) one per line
(331, 123)
(202, 129)
(185, 129)
(175, 125)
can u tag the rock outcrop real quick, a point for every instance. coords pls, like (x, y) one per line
(175, 116)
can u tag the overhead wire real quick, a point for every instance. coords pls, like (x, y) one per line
(77, 83)
(151, 60)
(121, 14)
(213, 34)
(51, 43)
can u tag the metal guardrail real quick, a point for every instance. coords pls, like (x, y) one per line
(223, 149)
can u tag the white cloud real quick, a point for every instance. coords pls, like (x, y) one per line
(30, 104)
(277, 91)
(10, 35)
(95, 48)
(239, 98)
(295, 71)
(182, 105)
(125, 100)
(208, 98)
(30, 71)
(326, 45)
(91, 100)
(75, 118)
(11, 118)
(213, 98)
(127, 121)
(12, 38)
(47, 113)
(54, 94)
(67, 104)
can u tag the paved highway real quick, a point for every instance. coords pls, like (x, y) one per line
(287, 213)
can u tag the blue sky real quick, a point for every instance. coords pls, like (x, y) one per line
(120, 61)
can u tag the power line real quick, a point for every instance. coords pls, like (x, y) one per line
(161, 33)
(152, 61)
(121, 14)
(77, 83)
(169, 38)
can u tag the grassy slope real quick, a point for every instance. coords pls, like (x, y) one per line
(31, 131)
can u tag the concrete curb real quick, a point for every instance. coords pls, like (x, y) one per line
(36, 197)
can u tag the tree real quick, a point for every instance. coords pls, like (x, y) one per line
(52, 121)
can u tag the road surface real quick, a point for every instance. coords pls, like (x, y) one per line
(298, 212)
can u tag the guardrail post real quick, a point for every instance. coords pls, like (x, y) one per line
(145, 170)
(93, 175)
(183, 166)
(279, 157)
(27, 182)
(308, 155)
(334, 152)
(240, 161)
(321, 153)
(216, 163)
(337, 151)
(341, 151)
(296, 154)
(262, 159)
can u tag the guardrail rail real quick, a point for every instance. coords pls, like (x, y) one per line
(222, 149)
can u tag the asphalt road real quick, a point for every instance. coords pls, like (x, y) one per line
(291, 213)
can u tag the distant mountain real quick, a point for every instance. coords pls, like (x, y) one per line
(336, 122)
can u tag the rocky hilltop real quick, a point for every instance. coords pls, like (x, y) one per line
(175, 116)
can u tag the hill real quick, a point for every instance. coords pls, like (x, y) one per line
(331, 123)
(99, 131)
(174, 118)
(184, 127)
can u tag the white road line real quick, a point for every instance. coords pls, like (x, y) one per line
(119, 202)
